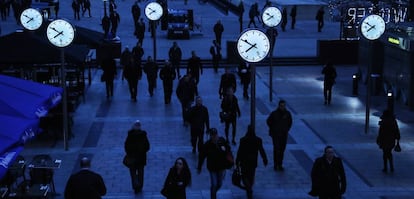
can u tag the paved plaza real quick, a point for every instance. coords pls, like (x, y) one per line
(101, 125)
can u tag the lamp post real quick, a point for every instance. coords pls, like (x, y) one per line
(154, 12)
(104, 1)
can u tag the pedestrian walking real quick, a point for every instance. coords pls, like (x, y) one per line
(167, 75)
(320, 18)
(284, 19)
(230, 106)
(328, 176)
(215, 52)
(195, 68)
(329, 73)
(177, 180)
(140, 31)
(214, 150)
(228, 80)
(388, 135)
(199, 120)
(136, 146)
(136, 12)
(138, 53)
(250, 146)
(218, 31)
(108, 76)
(106, 25)
(151, 69)
(253, 12)
(132, 72)
(272, 34)
(241, 13)
(186, 93)
(86, 7)
(76, 9)
(175, 55)
(293, 16)
(279, 123)
(115, 20)
(245, 76)
(85, 183)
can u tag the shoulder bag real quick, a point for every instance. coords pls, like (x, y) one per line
(128, 161)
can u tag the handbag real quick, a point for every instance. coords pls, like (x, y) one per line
(397, 147)
(165, 192)
(102, 78)
(224, 116)
(229, 159)
(236, 178)
(128, 161)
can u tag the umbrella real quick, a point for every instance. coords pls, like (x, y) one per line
(16, 131)
(28, 99)
(7, 158)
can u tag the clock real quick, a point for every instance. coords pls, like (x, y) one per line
(253, 45)
(372, 27)
(271, 16)
(153, 11)
(31, 19)
(60, 33)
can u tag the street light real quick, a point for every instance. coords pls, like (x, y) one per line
(354, 84)
(104, 1)
(390, 101)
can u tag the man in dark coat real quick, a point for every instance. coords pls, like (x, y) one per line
(140, 30)
(245, 76)
(151, 69)
(320, 18)
(250, 146)
(174, 55)
(115, 20)
(136, 12)
(195, 68)
(228, 80)
(106, 25)
(218, 31)
(329, 73)
(328, 176)
(167, 75)
(215, 54)
(284, 19)
(293, 16)
(132, 73)
(85, 183)
(279, 123)
(230, 106)
(215, 152)
(186, 93)
(136, 146)
(199, 121)
(389, 133)
(108, 76)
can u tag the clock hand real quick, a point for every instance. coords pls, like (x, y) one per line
(253, 46)
(372, 27)
(247, 42)
(60, 33)
(31, 19)
(53, 28)
(368, 24)
(270, 16)
(26, 16)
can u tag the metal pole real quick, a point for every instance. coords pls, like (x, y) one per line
(105, 7)
(64, 100)
(368, 97)
(253, 96)
(154, 39)
(271, 74)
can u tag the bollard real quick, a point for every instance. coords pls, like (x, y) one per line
(390, 101)
(354, 84)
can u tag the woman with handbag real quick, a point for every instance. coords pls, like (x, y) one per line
(388, 134)
(178, 178)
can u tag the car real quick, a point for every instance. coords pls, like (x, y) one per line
(179, 23)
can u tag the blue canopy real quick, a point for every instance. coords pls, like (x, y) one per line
(23, 98)
(22, 103)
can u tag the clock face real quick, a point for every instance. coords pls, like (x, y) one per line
(372, 27)
(253, 45)
(31, 19)
(60, 33)
(271, 16)
(153, 11)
